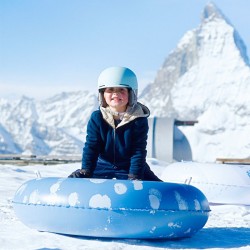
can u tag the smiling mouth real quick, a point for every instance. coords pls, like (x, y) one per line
(116, 99)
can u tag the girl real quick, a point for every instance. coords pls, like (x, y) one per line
(116, 139)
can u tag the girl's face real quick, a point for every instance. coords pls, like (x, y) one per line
(116, 98)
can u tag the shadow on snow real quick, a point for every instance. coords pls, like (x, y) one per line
(223, 237)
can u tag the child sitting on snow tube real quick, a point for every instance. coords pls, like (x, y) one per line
(116, 139)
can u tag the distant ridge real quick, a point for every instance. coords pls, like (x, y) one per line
(55, 125)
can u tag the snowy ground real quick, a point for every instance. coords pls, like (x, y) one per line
(228, 226)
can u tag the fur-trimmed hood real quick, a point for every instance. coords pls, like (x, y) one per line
(138, 110)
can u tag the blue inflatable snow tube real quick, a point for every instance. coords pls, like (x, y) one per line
(111, 208)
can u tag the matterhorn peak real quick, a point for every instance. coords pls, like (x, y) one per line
(203, 58)
(212, 14)
(211, 11)
(206, 78)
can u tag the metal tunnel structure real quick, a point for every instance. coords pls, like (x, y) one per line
(166, 142)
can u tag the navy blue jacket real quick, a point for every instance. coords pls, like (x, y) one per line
(124, 146)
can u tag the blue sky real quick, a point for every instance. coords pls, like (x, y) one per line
(50, 46)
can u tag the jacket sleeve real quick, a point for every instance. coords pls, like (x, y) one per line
(92, 145)
(138, 150)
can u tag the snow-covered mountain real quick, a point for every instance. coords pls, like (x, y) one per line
(205, 78)
(55, 125)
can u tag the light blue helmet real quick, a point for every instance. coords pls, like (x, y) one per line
(118, 77)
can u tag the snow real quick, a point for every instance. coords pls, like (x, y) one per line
(207, 78)
(221, 183)
(228, 226)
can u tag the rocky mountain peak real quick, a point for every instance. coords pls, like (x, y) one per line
(206, 78)
(204, 57)
(211, 11)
